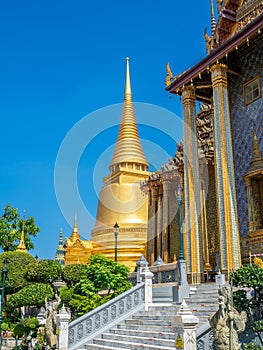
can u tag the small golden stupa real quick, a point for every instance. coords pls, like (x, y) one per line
(121, 200)
(21, 246)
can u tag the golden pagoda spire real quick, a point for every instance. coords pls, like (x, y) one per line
(75, 232)
(60, 253)
(21, 246)
(128, 151)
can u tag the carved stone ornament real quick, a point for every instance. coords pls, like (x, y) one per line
(227, 323)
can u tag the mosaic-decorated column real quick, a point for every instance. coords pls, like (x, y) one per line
(154, 223)
(159, 223)
(166, 220)
(225, 183)
(191, 186)
(149, 243)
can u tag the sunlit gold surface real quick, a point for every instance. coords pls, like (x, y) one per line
(21, 246)
(121, 199)
(77, 251)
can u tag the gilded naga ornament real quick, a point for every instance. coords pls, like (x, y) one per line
(169, 75)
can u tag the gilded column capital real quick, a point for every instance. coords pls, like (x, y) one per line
(218, 73)
(188, 93)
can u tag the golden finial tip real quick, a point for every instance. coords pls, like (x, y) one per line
(127, 58)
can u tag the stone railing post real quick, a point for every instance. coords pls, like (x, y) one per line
(147, 277)
(187, 339)
(62, 319)
(140, 264)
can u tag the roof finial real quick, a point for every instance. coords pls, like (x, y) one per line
(60, 236)
(75, 221)
(128, 92)
(213, 20)
(75, 232)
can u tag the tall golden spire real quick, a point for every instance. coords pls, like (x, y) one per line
(21, 246)
(75, 232)
(128, 151)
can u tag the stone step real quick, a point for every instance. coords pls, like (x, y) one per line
(129, 345)
(102, 347)
(148, 322)
(145, 327)
(138, 339)
(141, 333)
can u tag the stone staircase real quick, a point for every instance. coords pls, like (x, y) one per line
(153, 329)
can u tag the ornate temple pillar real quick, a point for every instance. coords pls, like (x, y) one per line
(225, 183)
(149, 242)
(154, 224)
(191, 186)
(159, 222)
(166, 221)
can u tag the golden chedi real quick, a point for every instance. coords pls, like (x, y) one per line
(121, 200)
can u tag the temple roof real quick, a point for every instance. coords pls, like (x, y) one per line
(248, 28)
(128, 148)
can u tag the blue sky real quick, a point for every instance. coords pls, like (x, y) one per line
(64, 60)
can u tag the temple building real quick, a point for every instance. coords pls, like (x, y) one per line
(219, 162)
(77, 251)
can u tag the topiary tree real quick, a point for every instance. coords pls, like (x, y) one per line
(31, 295)
(17, 263)
(72, 274)
(43, 271)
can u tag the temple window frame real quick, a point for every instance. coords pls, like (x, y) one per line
(249, 90)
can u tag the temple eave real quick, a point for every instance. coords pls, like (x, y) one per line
(228, 46)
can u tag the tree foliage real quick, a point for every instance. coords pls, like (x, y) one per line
(72, 274)
(11, 227)
(250, 276)
(43, 271)
(105, 274)
(17, 263)
(31, 295)
(104, 279)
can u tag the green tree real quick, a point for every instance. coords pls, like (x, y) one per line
(104, 280)
(17, 263)
(72, 274)
(31, 295)
(249, 276)
(11, 227)
(105, 274)
(43, 271)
